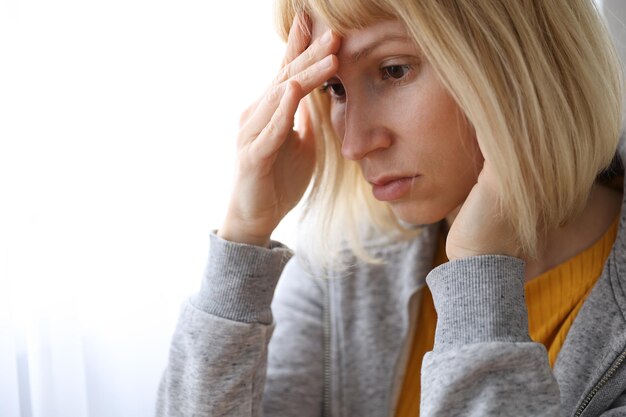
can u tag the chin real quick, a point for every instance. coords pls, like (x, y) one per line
(419, 213)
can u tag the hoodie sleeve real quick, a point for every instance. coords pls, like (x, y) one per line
(483, 362)
(218, 363)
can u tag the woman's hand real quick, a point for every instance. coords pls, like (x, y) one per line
(479, 228)
(275, 163)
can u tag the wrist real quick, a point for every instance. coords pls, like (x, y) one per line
(234, 234)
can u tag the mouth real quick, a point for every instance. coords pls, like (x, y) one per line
(391, 188)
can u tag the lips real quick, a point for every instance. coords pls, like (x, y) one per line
(391, 188)
(389, 178)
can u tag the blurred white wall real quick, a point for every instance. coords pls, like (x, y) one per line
(118, 122)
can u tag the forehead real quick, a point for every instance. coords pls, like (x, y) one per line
(355, 39)
(380, 27)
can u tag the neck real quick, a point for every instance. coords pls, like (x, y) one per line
(604, 205)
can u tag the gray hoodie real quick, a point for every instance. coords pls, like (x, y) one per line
(310, 344)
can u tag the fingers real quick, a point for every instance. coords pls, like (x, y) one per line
(300, 53)
(307, 80)
(303, 118)
(270, 120)
(299, 37)
(298, 63)
(327, 44)
(304, 126)
(280, 125)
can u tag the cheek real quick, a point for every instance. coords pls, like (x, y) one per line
(453, 137)
(448, 151)
(461, 155)
(469, 153)
(338, 121)
(463, 166)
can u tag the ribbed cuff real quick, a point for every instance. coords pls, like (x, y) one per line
(240, 279)
(479, 299)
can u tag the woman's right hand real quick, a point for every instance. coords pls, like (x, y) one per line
(274, 162)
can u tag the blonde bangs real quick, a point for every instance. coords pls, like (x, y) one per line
(340, 15)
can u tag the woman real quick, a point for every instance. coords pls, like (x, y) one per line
(466, 163)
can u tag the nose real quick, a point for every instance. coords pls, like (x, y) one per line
(364, 131)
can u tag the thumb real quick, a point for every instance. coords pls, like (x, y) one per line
(304, 126)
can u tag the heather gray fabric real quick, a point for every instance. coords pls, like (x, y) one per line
(337, 345)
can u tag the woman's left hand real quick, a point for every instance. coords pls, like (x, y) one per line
(479, 228)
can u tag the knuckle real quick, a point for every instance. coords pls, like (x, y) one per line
(276, 121)
(283, 74)
(273, 93)
(271, 127)
(309, 54)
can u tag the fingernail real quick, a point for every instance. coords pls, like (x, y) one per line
(326, 37)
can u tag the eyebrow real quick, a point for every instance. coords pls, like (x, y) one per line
(369, 48)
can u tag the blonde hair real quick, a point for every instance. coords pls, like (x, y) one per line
(540, 82)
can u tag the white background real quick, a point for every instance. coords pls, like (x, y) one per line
(118, 122)
(117, 128)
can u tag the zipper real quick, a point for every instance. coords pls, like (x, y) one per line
(414, 303)
(605, 378)
(326, 318)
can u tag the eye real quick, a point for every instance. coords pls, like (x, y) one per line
(395, 71)
(336, 89)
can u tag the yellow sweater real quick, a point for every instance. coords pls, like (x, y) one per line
(553, 300)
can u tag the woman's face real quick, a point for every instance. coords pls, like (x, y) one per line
(399, 123)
